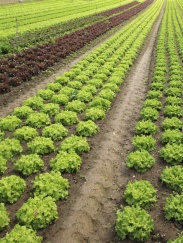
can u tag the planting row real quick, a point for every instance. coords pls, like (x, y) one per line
(45, 14)
(165, 94)
(80, 96)
(49, 34)
(22, 67)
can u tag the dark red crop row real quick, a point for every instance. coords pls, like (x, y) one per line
(119, 9)
(30, 62)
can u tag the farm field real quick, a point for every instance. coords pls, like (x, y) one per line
(91, 145)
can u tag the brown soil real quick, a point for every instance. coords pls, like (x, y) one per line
(88, 215)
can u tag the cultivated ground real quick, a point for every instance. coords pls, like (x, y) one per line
(88, 215)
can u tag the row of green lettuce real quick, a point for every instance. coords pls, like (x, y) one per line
(31, 16)
(77, 99)
(165, 94)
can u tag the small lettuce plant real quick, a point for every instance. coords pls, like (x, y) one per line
(133, 223)
(140, 193)
(10, 123)
(11, 188)
(25, 133)
(51, 184)
(173, 177)
(41, 146)
(66, 162)
(55, 132)
(144, 142)
(21, 234)
(86, 128)
(29, 164)
(76, 144)
(66, 118)
(173, 208)
(38, 120)
(38, 212)
(140, 160)
(22, 112)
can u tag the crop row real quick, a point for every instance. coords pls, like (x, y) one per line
(165, 94)
(23, 66)
(46, 14)
(80, 96)
(46, 35)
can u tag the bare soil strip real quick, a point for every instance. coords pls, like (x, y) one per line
(90, 216)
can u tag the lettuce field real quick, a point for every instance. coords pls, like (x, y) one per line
(91, 121)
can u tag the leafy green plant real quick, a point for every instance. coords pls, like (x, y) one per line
(134, 223)
(153, 103)
(173, 208)
(3, 166)
(86, 128)
(149, 113)
(38, 120)
(146, 128)
(96, 82)
(176, 84)
(21, 234)
(179, 239)
(61, 99)
(173, 111)
(9, 148)
(76, 106)
(100, 103)
(54, 86)
(172, 100)
(173, 91)
(111, 86)
(45, 94)
(83, 78)
(66, 162)
(55, 132)
(94, 114)
(173, 177)
(66, 118)
(115, 80)
(75, 144)
(107, 94)
(172, 136)
(51, 184)
(38, 212)
(84, 96)
(89, 88)
(29, 164)
(66, 91)
(11, 188)
(41, 145)
(34, 102)
(10, 123)
(140, 160)
(144, 142)
(50, 109)
(75, 85)
(22, 112)
(154, 94)
(172, 153)
(140, 193)
(172, 123)
(62, 80)
(4, 218)
(25, 133)
(157, 86)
